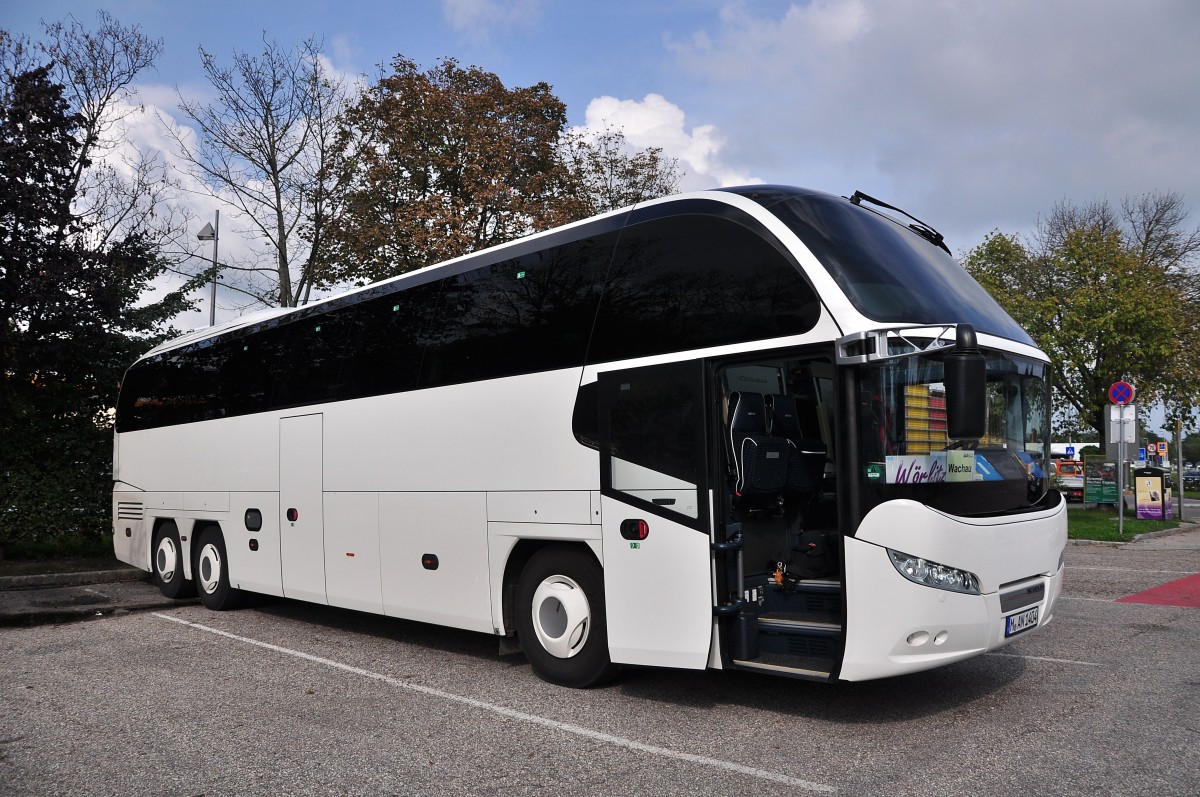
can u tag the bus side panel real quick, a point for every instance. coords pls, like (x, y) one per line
(232, 454)
(352, 551)
(454, 591)
(505, 434)
(254, 555)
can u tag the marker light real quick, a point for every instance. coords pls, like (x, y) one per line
(932, 574)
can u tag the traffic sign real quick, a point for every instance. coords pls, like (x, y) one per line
(1070, 452)
(1120, 393)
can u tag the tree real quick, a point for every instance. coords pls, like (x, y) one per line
(118, 188)
(264, 148)
(605, 175)
(1108, 297)
(72, 318)
(97, 69)
(1191, 447)
(436, 164)
(439, 163)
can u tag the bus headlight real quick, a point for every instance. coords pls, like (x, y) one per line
(932, 574)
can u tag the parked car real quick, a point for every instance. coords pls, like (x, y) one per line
(1191, 479)
(1070, 479)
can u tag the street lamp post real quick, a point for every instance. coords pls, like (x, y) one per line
(212, 232)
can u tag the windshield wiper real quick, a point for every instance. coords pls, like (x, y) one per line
(920, 228)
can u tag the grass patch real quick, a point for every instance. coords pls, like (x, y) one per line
(1100, 523)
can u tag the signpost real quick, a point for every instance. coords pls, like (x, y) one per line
(1122, 424)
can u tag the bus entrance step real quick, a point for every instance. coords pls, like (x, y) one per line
(798, 627)
(791, 667)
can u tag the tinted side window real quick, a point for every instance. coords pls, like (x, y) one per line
(176, 387)
(689, 281)
(251, 369)
(652, 437)
(524, 315)
(386, 336)
(314, 349)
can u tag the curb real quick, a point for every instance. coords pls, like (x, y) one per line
(74, 614)
(1149, 535)
(73, 579)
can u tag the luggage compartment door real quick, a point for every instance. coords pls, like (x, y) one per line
(301, 508)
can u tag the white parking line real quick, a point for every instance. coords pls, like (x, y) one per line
(1045, 658)
(533, 719)
(1131, 570)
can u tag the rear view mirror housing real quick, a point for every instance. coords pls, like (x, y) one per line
(966, 387)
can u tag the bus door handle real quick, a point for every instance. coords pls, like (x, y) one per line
(734, 544)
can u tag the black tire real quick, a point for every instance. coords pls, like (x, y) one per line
(560, 617)
(167, 564)
(212, 573)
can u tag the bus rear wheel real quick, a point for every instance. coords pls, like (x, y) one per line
(212, 573)
(168, 563)
(560, 618)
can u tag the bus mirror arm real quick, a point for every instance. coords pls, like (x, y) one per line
(966, 387)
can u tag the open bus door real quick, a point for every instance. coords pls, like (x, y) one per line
(656, 515)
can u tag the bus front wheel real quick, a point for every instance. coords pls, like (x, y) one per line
(560, 617)
(212, 573)
(168, 563)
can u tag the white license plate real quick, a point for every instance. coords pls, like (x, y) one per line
(1021, 621)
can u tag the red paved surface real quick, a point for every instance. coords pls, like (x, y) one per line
(1180, 592)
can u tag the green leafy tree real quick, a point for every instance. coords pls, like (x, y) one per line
(1108, 297)
(72, 318)
(1191, 447)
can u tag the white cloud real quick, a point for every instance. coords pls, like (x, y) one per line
(973, 115)
(656, 122)
(144, 129)
(477, 19)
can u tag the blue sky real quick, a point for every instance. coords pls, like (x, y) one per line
(972, 115)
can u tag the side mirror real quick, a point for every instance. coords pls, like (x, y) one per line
(966, 387)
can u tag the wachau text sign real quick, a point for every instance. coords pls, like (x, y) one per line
(941, 466)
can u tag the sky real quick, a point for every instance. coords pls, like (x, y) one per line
(973, 115)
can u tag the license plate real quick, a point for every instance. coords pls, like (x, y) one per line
(1021, 621)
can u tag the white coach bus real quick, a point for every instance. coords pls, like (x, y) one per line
(761, 428)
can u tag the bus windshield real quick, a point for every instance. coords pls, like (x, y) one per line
(888, 272)
(906, 453)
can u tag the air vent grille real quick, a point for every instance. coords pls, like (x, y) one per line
(127, 510)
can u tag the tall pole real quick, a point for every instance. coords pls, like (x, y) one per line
(212, 302)
(1121, 474)
(1179, 461)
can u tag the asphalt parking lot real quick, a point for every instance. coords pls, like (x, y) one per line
(289, 698)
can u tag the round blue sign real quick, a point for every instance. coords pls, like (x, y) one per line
(1120, 393)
